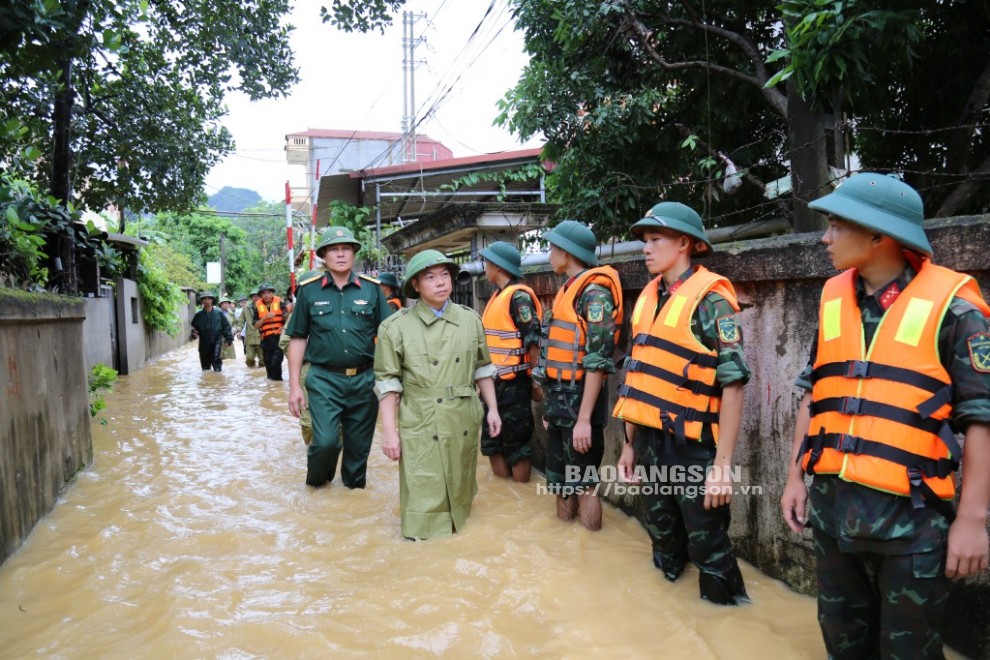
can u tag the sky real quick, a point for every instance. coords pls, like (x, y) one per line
(355, 82)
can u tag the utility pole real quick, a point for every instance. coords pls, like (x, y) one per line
(223, 267)
(409, 62)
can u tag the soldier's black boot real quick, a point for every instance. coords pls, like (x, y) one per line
(670, 565)
(725, 589)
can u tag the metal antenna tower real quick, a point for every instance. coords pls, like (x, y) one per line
(409, 62)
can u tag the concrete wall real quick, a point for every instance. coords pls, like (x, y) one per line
(159, 343)
(779, 282)
(44, 408)
(98, 332)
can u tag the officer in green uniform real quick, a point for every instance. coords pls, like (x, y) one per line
(909, 341)
(429, 361)
(333, 328)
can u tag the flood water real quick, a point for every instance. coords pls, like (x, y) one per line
(192, 535)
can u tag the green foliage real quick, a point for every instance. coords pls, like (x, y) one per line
(29, 222)
(357, 219)
(148, 85)
(161, 299)
(615, 119)
(832, 42)
(501, 178)
(361, 15)
(198, 237)
(101, 378)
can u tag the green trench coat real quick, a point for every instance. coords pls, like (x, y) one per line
(433, 364)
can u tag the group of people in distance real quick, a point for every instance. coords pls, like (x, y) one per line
(899, 364)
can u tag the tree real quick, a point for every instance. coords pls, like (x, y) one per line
(642, 100)
(127, 95)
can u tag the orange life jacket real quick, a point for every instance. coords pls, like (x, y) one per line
(566, 332)
(272, 326)
(394, 303)
(881, 419)
(505, 343)
(670, 379)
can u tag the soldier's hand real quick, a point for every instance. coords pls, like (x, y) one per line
(627, 464)
(494, 423)
(297, 402)
(968, 547)
(794, 504)
(391, 446)
(581, 439)
(537, 393)
(718, 488)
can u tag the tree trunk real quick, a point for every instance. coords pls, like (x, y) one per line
(809, 147)
(61, 186)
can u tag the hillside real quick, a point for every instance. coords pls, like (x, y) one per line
(233, 199)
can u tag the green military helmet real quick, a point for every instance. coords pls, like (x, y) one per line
(206, 294)
(679, 217)
(421, 262)
(243, 298)
(265, 286)
(576, 239)
(505, 257)
(334, 236)
(224, 299)
(388, 279)
(880, 202)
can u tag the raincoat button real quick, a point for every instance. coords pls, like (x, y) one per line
(439, 400)
(435, 437)
(434, 363)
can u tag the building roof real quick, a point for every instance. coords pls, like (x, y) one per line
(412, 190)
(342, 134)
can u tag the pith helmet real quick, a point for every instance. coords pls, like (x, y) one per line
(576, 239)
(421, 262)
(880, 202)
(679, 217)
(335, 236)
(388, 279)
(224, 299)
(206, 294)
(504, 256)
(266, 286)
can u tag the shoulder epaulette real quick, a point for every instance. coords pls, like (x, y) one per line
(313, 278)
(369, 278)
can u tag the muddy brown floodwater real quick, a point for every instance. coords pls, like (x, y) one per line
(192, 535)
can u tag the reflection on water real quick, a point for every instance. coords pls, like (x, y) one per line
(192, 535)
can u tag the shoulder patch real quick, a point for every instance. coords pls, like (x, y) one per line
(596, 312)
(525, 313)
(728, 329)
(979, 351)
(371, 279)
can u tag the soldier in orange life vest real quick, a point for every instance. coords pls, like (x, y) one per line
(579, 337)
(270, 315)
(390, 287)
(900, 363)
(681, 401)
(512, 330)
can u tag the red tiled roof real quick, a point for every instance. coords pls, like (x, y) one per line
(449, 163)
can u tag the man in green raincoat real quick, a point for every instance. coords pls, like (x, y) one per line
(428, 360)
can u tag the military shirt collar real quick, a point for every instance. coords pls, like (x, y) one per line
(885, 296)
(663, 289)
(429, 315)
(352, 279)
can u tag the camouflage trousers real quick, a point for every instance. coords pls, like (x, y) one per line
(514, 407)
(874, 605)
(680, 527)
(253, 357)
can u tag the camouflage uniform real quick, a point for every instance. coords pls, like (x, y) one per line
(514, 396)
(679, 526)
(253, 357)
(874, 551)
(563, 400)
